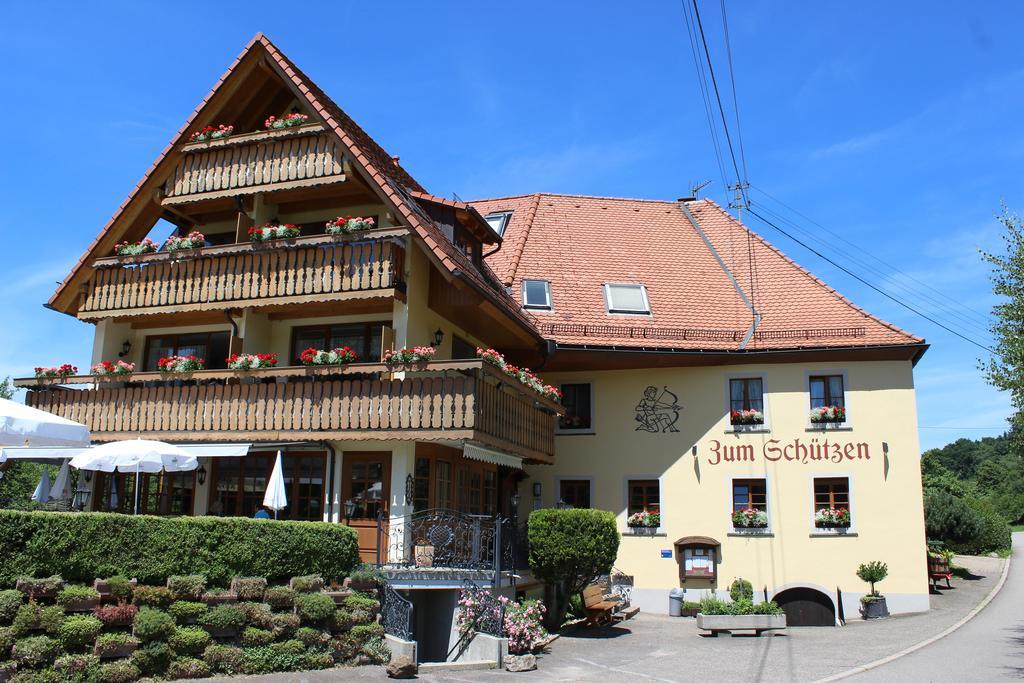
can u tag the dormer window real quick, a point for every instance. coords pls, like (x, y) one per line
(627, 299)
(498, 221)
(537, 294)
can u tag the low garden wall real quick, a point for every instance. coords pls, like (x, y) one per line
(82, 546)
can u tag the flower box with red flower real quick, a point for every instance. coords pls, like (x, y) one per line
(644, 522)
(826, 415)
(269, 232)
(832, 518)
(193, 240)
(340, 356)
(211, 133)
(524, 375)
(56, 374)
(246, 363)
(342, 225)
(417, 355)
(180, 365)
(126, 248)
(746, 417)
(286, 121)
(749, 519)
(112, 373)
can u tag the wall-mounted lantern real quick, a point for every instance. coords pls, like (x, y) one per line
(126, 347)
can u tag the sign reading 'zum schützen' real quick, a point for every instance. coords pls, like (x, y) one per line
(774, 450)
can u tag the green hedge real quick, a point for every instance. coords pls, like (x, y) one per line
(82, 546)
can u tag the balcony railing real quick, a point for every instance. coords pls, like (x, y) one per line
(256, 162)
(320, 268)
(442, 400)
(442, 539)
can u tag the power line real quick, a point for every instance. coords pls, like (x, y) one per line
(868, 284)
(967, 324)
(980, 317)
(735, 101)
(705, 96)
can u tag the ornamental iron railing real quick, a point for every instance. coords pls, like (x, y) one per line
(395, 613)
(441, 538)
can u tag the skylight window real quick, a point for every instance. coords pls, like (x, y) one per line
(628, 299)
(537, 294)
(498, 221)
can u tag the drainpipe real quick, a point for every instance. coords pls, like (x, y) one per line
(330, 483)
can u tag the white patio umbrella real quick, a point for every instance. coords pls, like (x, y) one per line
(61, 489)
(21, 425)
(138, 456)
(42, 492)
(276, 498)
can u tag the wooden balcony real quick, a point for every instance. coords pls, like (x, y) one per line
(303, 270)
(256, 162)
(442, 400)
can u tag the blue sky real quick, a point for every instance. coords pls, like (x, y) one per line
(896, 125)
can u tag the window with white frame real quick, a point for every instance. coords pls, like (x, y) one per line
(628, 299)
(537, 294)
(498, 221)
(577, 408)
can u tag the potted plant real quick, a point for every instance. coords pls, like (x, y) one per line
(345, 224)
(112, 373)
(644, 522)
(286, 121)
(872, 605)
(193, 240)
(832, 518)
(245, 363)
(417, 355)
(56, 374)
(746, 417)
(211, 133)
(828, 415)
(749, 519)
(180, 367)
(114, 645)
(716, 615)
(341, 356)
(78, 599)
(126, 248)
(269, 232)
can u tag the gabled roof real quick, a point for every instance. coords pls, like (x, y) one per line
(382, 172)
(579, 243)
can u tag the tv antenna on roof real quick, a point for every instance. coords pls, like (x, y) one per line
(697, 187)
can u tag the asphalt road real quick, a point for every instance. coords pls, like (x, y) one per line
(990, 647)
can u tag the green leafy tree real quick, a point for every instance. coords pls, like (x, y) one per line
(569, 549)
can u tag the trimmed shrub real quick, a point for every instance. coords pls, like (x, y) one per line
(342, 620)
(249, 588)
(312, 637)
(116, 615)
(256, 637)
(568, 550)
(121, 588)
(257, 614)
(153, 659)
(26, 619)
(75, 594)
(152, 596)
(188, 667)
(361, 601)
(319, 660)
(223, 659)
(365, 632)
(111, 642)
(90, 544)
(284, 656)
(77, 668)
(50, 618)
(286, 624)
(187, 612)
(314, 607)
(741, 589)
(377, 650)
(280, 597)
(76, 633)
(118, 672)
(306, 584)
(152, 624)
(344, 647)
(994, 534)
(10, 601)
(7, 639)
(35, 652)
(189, 587)
(189, 641)
(224, 617)
(43, 676)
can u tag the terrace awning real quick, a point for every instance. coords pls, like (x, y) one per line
(476, 452)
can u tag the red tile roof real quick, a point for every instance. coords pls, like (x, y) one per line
(580, 243)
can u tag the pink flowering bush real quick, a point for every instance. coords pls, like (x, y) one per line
(403, 355)
(523, 626)
(193, 240)
(61, 371)
(116, 369)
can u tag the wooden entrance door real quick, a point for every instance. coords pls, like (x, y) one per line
(366, 481)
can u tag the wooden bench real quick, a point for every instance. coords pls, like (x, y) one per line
(938, 569)
(598, 610)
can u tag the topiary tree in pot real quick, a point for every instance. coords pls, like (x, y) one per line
(873, 604)
(569, 549)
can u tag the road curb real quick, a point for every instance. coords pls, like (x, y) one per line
(925, 643)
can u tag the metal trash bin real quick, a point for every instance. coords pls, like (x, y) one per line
(675, 602)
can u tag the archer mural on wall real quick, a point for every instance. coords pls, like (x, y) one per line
(657, 412)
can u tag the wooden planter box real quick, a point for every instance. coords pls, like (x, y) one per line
(219, 598)
(758, 623)
(27, 587)
(361, 586)
(338, 596)
(119, 652)
(103, 588)
(83, 605)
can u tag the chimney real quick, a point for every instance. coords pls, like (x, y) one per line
(394, 160)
